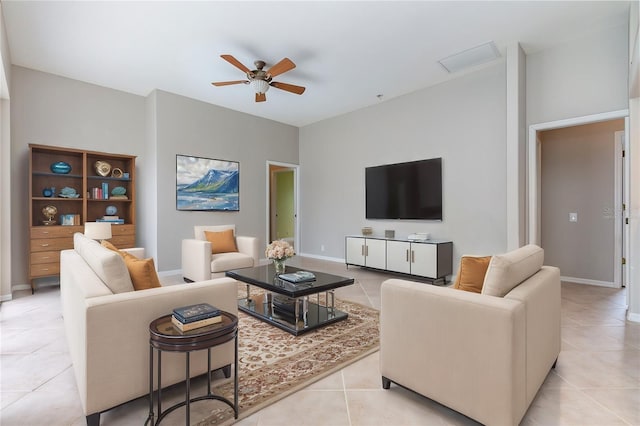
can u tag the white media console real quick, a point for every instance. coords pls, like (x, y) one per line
(432, 259)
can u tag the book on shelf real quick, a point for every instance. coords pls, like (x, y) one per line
(298, 276)
(119, 197)
(192, 313)
(110, 217)
(195, 324)
(112, 221)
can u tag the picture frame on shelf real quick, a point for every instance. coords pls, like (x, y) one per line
(206, 184)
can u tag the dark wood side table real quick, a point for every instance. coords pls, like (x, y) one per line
(164, 336)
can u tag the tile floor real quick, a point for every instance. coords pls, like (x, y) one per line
(596, 382)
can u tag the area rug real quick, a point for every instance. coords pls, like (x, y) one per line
(273, 363)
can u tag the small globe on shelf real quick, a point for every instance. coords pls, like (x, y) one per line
(111, 210)
(49, 212)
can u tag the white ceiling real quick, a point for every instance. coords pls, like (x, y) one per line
(346, 52)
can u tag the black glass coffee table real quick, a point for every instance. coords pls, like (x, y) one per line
(288, 305)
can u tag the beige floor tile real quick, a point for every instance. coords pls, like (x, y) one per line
(307, 407)
(569, 407)
(624, 402)
(364, 374)
(332, 382)
(597, 380)
(395, 406)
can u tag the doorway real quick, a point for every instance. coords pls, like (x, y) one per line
(282, 203)
(576, 221)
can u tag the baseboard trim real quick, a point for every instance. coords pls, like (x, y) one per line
(633, 317)
(589, 282)
(169, 273)
(327, 258)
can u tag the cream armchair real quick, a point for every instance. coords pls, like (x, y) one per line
(482, 355)
(199, 264)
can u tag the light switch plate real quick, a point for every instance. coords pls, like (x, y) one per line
(573, 217)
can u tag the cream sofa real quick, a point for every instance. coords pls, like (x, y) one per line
(199, 264)
(107, 326)
(482, 355)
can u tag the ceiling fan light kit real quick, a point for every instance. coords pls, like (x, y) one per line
(261, 80)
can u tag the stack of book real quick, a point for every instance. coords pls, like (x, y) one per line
(195, 316)
(115, 220)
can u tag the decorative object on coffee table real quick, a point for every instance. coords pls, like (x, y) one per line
(279, 251)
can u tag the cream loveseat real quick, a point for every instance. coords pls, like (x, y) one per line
(482, 355)
(107, 326)
(199, 263)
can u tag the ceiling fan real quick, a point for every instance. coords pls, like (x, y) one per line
(260, 79)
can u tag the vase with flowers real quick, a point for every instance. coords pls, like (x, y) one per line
(279, 251)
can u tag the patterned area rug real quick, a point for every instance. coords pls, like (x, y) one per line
(274, 363)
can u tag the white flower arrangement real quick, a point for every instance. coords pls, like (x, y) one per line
(279, 250)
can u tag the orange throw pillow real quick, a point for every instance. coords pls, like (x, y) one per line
(471, 273)
(108, 245)
(221, 242)
(142, 271)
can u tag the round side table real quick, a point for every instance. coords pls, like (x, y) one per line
(165, 337)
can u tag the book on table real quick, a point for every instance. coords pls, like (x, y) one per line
(197, 312)
(195, 324)
(298, 276)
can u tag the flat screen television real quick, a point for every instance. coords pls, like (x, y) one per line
(410, 190)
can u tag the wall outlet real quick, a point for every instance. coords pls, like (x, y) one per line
(322, 247)
(573, 217)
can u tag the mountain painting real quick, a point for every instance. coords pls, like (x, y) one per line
(207, 184)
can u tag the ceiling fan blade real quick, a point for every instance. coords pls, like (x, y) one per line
(227, 83)
(281, 67)
(236, 63)
(298, 90)
(261, 97)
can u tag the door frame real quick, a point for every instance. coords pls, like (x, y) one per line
(534, 171)
(296, 203)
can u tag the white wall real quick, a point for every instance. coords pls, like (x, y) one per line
(462, 121)
(189, 127)
(52, 110)
(578, 78)
(5, 163)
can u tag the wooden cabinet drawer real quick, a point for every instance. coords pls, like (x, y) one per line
(49, 244)
(45, 269)
(123, 230)
(124, 241)
(55, 231)
(45, 257)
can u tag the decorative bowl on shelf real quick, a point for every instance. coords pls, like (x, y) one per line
(60, 167)
(119, 190)
(111, 210)
(67, 192)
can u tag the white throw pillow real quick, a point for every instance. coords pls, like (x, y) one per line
(508, 270)
(106, 264)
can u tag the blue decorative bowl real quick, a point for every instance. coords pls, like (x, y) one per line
(60, 167)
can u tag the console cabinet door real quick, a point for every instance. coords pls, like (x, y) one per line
(376, 254)
(398, 256)
(355, 251)
(424, 260)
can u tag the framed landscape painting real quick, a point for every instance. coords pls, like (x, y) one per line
(207, 184)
